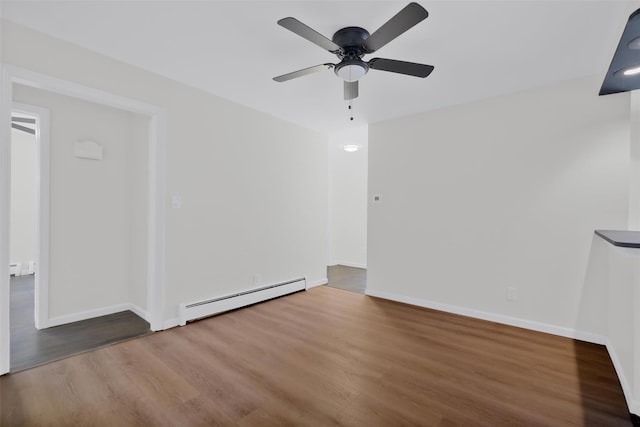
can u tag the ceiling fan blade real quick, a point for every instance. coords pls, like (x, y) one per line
(23, 128)
(23, 120)
(412, 14)
(304, 31)
(401, 67)
(303, 72)
(350, 90)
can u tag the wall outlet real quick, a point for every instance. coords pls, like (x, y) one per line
(512, 293)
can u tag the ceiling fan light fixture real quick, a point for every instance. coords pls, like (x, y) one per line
(351, 72)
(350, 148)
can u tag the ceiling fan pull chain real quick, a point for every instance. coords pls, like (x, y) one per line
(351, 108)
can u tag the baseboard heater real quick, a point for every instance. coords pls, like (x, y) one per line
(198, 310)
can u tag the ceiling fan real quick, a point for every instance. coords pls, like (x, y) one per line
(350, 44)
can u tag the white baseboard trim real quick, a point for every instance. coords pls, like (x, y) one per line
(90, 314)
(349, 264)
(315, 283)
(492, 317)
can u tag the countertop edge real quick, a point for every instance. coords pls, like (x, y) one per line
(621, 238)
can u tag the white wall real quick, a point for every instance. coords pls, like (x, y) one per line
(253, 187)
(498, 193)
(93, 231)
(23, 198)
(348, 198)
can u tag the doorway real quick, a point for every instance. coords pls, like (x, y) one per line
(29, 204)
(348, 169)
(33, 341)
(155, 185)
(23, 193)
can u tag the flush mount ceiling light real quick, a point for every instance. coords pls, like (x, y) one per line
(624, 72)
(351, 71)
(350, 148)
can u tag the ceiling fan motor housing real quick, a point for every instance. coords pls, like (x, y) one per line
(351, 40)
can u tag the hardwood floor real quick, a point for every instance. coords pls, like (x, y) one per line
(347, 278)
(320, 358)
(31, 347)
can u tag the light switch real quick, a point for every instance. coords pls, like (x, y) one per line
(176, 202)
(376, 198)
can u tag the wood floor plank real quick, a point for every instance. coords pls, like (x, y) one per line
(326, 357)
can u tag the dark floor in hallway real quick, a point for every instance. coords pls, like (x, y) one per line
(347, 278)
(31, 347)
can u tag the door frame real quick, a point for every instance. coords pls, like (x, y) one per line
(156, 185)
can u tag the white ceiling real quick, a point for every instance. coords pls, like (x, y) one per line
(233, 48)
